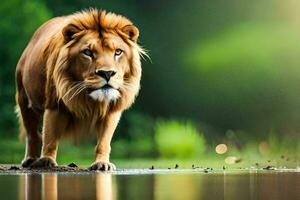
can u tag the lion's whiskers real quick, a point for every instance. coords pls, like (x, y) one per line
(127, 86)
(74, 85)
(80, 87)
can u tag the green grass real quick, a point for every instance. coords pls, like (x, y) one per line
(12, 152)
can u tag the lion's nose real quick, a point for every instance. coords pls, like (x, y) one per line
(105, 74)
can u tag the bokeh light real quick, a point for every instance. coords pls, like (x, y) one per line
(264, 147)
(232, 160)
(221, 148)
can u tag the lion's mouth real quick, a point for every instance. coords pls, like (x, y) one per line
(105, 92)
(106, 87)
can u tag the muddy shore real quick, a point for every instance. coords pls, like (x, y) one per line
(73, 168)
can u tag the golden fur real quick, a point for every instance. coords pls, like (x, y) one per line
(61, 77)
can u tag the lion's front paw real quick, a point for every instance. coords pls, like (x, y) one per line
(103, 166)
(44, 162)
(27, 162)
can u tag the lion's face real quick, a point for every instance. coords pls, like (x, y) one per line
(99, 61)
(100, 64)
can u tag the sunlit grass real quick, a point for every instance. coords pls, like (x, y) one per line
(12, 152)
(178, 139)
(255, 43)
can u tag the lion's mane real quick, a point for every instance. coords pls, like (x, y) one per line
(59, 84)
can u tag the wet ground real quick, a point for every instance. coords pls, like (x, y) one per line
(142, 184)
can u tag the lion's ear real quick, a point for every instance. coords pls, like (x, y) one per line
(132, 32)
(69, 31)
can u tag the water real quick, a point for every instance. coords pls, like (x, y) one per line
(173, 186)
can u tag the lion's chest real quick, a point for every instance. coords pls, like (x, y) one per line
(82, 127)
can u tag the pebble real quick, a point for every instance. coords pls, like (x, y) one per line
(269, 167)
(72, 165)
(14, 168)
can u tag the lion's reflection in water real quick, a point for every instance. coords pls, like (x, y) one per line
(53, 187)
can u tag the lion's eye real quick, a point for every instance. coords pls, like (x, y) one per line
(88, 52)
(118, 52)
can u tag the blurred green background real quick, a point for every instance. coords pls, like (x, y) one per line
(222, 72)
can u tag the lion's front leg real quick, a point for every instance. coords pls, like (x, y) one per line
(103, 148)
(54, 125)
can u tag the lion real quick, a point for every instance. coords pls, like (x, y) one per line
(77, 75)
